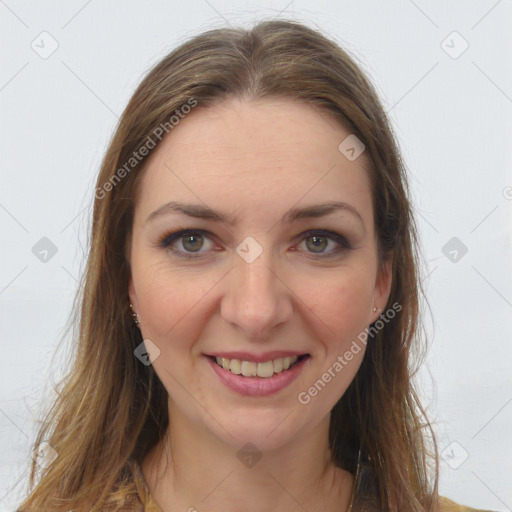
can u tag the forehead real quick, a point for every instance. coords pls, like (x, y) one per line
(265, 154)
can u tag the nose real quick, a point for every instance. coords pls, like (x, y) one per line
(257, 299)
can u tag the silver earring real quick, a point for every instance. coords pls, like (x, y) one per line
(135, 316)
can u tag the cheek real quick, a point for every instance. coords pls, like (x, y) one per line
(341, 311)
(342, 302)
(169, 303)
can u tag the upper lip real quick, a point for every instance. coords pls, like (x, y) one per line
(258, 358)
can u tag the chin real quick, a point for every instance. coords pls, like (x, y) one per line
(266, 431)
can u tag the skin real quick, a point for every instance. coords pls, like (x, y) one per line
(255, 160)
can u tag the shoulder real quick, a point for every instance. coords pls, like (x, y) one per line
(447, 505)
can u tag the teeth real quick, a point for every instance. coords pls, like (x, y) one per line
(236, 365)
(266, 369)
(249, 369)
(252, 369)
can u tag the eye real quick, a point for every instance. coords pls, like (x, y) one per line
(192, 241)
(319, 239)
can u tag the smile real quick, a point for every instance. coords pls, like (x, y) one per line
(264, 369)
(249, 381)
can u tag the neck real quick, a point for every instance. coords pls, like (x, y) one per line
(191, 469)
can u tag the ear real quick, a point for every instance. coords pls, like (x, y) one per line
(132, 294)
(382, 289)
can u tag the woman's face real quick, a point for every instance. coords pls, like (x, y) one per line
(263, 282)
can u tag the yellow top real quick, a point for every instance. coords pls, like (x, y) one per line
(149, 505)
(447, 506)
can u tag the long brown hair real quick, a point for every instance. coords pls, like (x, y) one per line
(112, 409)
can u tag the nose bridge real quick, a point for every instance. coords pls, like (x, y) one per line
(256, 300)
(255, 280)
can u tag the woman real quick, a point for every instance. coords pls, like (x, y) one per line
(249, 313)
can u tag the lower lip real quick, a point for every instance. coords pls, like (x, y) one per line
(257, 386)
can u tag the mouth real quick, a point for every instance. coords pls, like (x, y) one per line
(263, 370)
(258, 379)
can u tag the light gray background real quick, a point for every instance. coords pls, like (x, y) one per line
(453, 118)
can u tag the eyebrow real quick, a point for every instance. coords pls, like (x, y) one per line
(199, 211)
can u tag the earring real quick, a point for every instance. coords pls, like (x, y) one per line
(135, 316)
(374, 309)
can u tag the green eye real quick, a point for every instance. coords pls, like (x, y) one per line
(192, 241)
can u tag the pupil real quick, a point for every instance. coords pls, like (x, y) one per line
(188, 239)
(317, 241)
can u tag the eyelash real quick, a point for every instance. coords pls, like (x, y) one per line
(168, 238)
